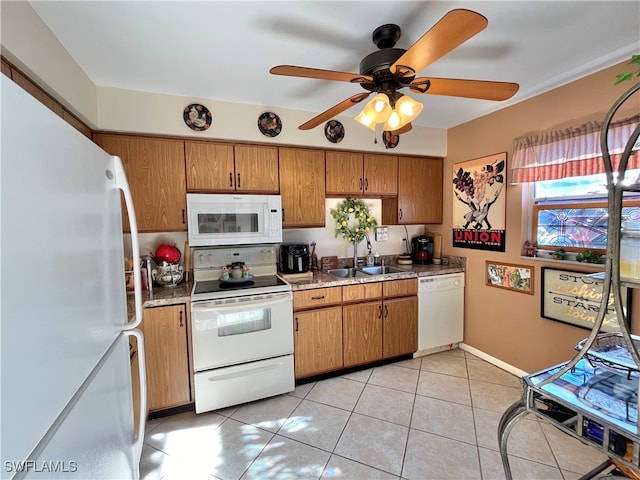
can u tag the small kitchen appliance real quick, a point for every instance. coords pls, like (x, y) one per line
(294, 258)
(422, 250)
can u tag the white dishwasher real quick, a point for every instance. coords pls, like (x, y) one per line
(440, 310)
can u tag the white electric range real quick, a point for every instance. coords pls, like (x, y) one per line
(242, 329)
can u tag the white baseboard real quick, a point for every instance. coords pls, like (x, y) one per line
(498, 363)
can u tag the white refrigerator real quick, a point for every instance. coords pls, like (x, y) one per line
(66, 392)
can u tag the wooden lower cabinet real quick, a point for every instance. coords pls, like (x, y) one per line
(166, 355)
(317, 341)
(400, 326)
(362, 333)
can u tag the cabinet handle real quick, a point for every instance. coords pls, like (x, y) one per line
(361, 183)
(400, 214)
(297, 324)
(386, 311)
(366, 184)
(283, 215)
(230, 179)
(238, 185)
(379, 311)
(317, 298)
(181, 324)
(184, 220)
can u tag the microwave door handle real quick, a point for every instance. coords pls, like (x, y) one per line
(123, 185)
(207, 307)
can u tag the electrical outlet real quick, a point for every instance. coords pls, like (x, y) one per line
(382, 234)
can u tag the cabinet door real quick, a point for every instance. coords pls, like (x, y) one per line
(344, 173)
(165, 341)
(156, 176)
(209, 167)
(400, 326)
(316, 297)
(317, 341)
(419, 197)
(155, 170)
(400, 287)
(361, 291)
(362, 333)
(302, 187)
(380, 174)
(256, 169)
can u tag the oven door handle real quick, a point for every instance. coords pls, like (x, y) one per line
(210, 306)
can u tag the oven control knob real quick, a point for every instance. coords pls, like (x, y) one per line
(201, 258)
(210, 258)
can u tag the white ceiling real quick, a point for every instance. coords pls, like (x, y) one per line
(224, 50)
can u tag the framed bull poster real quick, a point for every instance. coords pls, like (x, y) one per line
(479, 203)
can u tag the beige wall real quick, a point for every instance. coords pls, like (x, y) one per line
(29, 44)
(507, 325)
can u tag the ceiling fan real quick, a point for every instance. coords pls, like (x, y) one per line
(389, 69)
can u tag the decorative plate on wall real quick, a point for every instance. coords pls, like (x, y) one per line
(269, 124)
(334, 131)
(197, 117)
(390, 140)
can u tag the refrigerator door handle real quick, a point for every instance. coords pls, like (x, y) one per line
(122, 184)
(137, 447)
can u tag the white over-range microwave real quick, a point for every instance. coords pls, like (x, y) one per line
(227, 219)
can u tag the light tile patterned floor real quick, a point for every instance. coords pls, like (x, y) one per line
(434, 417)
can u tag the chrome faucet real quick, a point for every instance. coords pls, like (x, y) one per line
(355, 248)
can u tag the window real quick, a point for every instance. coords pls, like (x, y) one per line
(572, 213)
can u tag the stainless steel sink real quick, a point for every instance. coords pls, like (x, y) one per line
(383, 270)
(363, 271)
(345, 272)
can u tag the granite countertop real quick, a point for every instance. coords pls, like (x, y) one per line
(161, 296)
(322, 279)
(181, 293)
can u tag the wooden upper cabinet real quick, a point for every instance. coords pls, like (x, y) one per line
(357, 174)
(156, 175)
(380, 174)
(209, 167)
(344, 173)
(257, 169)
(224, 167)
(6, 68)
(419, 197)
(302, 187)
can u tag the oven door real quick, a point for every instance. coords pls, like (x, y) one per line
(242, 329)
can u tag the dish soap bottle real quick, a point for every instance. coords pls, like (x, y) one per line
(314, 257)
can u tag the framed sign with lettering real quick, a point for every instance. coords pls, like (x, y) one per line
(573, 298)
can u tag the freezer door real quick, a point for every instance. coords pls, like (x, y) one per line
(93, 438)
(62, 266)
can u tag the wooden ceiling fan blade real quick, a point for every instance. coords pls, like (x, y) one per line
(401, 130)
(482, 89)
(333, 111)
(455, 28)
(307, 72)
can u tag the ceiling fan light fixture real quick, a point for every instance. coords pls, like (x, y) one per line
(378, 109)
(408, 109)
(364, 119)
(393, 122)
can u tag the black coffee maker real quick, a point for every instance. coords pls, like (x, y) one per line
(422, 250)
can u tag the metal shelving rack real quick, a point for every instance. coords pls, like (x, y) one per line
(552, 394)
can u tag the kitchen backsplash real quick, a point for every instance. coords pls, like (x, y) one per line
(327, 243)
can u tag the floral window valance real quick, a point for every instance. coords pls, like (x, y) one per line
(570, 152)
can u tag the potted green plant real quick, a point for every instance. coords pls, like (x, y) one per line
(558, 254)
(589, 256)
